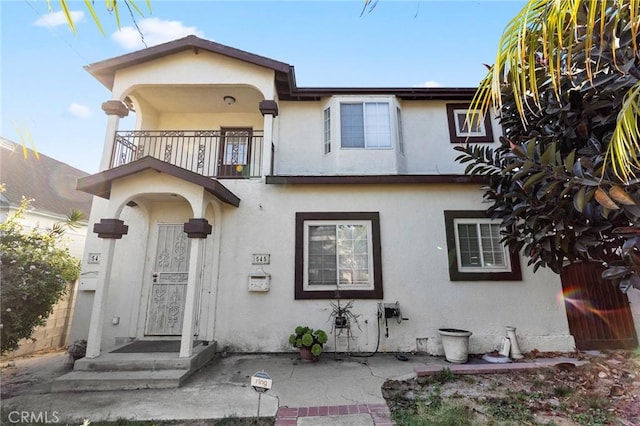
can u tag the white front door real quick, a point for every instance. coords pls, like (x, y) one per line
(168, 282)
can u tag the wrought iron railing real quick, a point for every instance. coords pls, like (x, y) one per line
(233, 153)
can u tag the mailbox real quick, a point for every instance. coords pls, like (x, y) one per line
(259, 281)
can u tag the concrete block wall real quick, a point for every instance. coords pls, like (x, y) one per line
(55, 333)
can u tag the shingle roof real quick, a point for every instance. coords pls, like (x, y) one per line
(285, 79)
(100, 183)
(50, 183)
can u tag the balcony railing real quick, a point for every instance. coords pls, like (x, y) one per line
(233, 153)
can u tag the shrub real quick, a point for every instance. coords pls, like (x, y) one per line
(34, 272)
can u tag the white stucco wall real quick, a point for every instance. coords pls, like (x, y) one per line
(427, 146)
(209, 121)
(415, 272)
(191, 68)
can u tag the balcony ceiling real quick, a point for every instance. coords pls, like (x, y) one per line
(198, 99)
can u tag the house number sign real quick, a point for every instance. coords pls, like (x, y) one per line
(261, 258)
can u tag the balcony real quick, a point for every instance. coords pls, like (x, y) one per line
(227, 153)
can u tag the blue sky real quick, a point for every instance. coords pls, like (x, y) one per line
(46, 93)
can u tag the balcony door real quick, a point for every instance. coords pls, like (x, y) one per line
(235, 152)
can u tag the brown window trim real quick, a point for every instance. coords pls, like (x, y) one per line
(375, 293)
(488, 137)
(454, 274)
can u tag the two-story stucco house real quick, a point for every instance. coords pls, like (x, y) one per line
(241, 205)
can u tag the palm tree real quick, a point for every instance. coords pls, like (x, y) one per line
(112, 6)
(566, 38)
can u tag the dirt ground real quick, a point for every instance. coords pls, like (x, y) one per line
(604, 390)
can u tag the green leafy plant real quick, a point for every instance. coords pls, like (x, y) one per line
(445, 375)
(305, 337)
(35, 272)
(342, 316)
(550, 182)
(508, 409)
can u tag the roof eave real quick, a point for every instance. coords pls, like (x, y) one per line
(104, 71)
(100, 183)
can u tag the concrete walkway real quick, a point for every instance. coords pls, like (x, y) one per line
(333, 391)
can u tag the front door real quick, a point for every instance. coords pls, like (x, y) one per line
(235, 152)
(168, 282)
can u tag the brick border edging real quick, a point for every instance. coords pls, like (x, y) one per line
(379, 412)
(491, 368)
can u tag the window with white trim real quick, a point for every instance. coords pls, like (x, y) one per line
(338, 253)
(468, 126)
(327, 130)
(475, 248)
(479, 247)
(365, 125)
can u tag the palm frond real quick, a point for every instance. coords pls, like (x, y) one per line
(624, 147)
(566, 37)
(74, 218)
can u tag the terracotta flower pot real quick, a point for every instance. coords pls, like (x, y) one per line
(306, 355)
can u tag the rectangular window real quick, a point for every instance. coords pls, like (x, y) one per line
(468, 126)
(365, 125)
(338, 255)
(327, 130)
(475, 250)
(479, 245)
(400, 136)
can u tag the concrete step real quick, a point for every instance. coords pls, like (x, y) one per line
(147, 361)
(78, 381)
(124, 371)
(133, 362)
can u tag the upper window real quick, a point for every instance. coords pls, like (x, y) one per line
(365, 125)
(400, 136)
(475, 250)
(338, 255)
(327, 130)
(466, 126)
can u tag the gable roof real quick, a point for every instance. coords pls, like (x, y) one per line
(50, 183)
(100, 183)
(285, 80)
(105, 70)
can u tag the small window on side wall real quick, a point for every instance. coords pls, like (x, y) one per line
(327, 130)
(468, 127)
(338, 255)
(475, 250)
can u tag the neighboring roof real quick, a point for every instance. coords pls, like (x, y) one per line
(100, 183)
(50, 183)
(285, 79)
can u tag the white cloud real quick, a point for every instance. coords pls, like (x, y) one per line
(431, 83)
(55, 19)
(155, 31)
(79, 110)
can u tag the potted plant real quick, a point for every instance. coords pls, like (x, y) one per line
(342, 315)
(309, 341)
